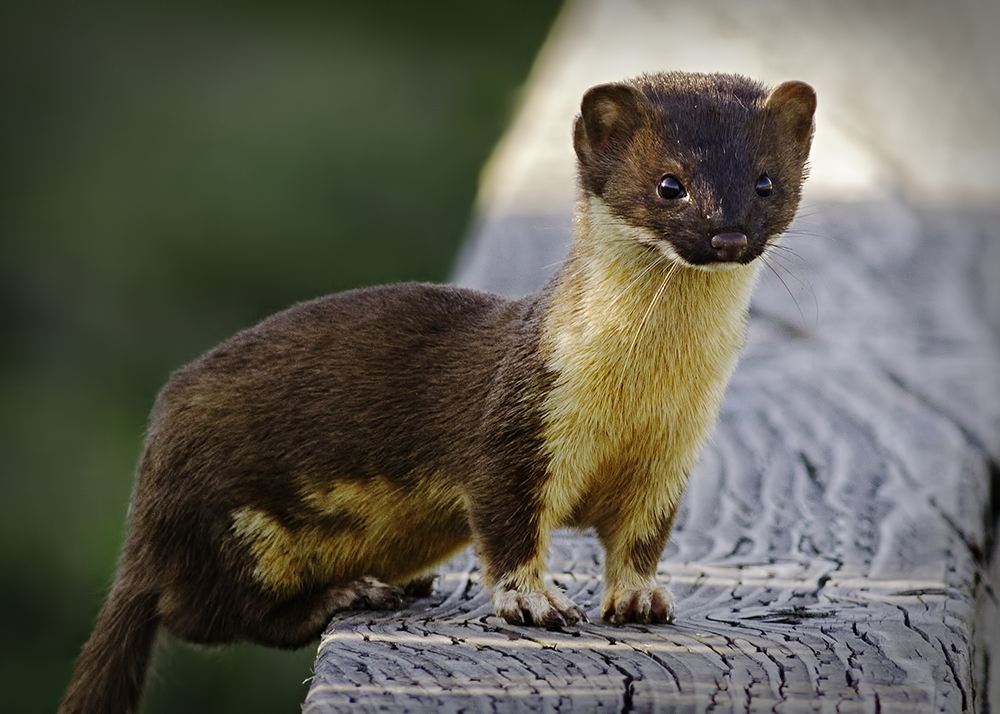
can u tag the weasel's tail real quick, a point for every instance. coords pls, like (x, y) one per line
(111, 669)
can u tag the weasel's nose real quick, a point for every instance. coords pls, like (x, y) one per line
(729, 246)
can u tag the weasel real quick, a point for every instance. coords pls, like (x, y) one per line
(331, 456)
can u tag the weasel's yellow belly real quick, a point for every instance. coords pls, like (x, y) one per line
(373, 527)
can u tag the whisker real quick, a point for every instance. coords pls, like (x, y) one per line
(802, 281)
(642, 324)
(555, 264)
(659, 259)
(789, 252)
(799, 232)
(802, 316)
(807, 210)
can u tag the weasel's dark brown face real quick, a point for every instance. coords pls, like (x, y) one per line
(708, 167)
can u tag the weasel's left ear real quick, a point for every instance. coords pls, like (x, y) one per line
(793, 105)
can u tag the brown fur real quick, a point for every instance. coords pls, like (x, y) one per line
(329, 457)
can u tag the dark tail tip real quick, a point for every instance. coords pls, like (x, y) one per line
(111, 670)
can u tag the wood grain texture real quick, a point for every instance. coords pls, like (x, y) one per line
(837, 546)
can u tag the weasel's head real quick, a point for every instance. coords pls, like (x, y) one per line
(706, 169)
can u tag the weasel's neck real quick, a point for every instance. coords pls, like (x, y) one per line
(642, 348)
(621, 309)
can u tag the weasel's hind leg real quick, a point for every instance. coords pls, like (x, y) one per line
(297, 622)
(368, 593)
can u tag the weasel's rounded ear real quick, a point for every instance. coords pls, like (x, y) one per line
(609, 115)
(793, 104)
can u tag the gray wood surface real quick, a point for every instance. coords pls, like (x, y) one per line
(837, 545)
(833, 551)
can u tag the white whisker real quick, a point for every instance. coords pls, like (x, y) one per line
(642, 324)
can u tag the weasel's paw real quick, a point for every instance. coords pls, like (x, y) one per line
(420, 587)
(548, 607)
(646, 605)
(367, 593)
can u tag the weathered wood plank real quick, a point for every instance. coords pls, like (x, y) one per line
(829, 553)
(836, 550)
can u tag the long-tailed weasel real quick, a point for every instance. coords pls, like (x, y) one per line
(332, 455)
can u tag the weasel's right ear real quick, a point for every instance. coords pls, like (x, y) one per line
(609, 115)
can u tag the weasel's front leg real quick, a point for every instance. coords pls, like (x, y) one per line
(522, 598)
(633, 544)
(512, 547)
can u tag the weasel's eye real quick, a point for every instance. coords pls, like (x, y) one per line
(764, 186)
(670, 188)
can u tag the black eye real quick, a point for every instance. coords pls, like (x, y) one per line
(764, 186)
(670, 188)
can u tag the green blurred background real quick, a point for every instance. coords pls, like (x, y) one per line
(171, 172)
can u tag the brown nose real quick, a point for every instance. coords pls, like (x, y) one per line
(730, 246)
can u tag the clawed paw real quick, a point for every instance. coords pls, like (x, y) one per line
(420, 587)
(548, 607)
(644, 605)
(368, 593)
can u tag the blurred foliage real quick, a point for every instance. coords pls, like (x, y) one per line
(171, 172)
